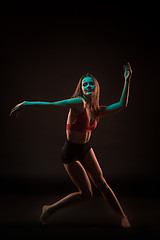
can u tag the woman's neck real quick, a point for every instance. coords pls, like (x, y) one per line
(88, 100)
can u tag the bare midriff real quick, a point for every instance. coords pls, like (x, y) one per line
(78, 137)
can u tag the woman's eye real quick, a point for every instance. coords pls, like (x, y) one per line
(91, 83)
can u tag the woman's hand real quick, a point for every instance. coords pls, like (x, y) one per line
(16, 110)
(127, 71)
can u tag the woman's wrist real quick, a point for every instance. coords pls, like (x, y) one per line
(25, 103)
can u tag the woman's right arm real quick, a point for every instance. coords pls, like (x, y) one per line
(77, 103)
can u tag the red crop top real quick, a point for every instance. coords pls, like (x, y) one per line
(81, 123)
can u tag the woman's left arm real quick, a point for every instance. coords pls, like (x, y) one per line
(116, 107)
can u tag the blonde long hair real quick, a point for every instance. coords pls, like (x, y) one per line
(95, 97)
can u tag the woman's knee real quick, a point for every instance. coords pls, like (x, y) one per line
(101, 183)
(86, 194)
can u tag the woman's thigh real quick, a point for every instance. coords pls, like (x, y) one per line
(79, 176)
(92, 167)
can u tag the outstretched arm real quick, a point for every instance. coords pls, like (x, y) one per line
(118, 106)
(77, 103)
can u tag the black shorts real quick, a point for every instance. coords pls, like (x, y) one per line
(74, 151)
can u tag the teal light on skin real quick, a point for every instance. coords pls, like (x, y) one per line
(125, 93)
(88, 88)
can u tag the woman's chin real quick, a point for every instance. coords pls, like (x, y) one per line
(88, 93)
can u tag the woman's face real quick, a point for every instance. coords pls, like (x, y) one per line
(88, 85)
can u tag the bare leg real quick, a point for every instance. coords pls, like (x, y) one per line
(94, 170)
(81, 180)
(109, 195)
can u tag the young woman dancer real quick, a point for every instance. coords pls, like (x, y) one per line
(77, 154)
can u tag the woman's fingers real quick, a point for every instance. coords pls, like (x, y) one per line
(11, 112)
(14, 110)
(17, 109)
(127, 68)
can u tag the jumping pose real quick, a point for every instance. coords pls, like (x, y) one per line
(77, 154)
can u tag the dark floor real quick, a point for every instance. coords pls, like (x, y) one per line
(20, 211)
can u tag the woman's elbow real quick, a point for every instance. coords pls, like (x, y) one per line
(124, 106)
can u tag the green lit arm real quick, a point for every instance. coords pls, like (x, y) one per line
(118, 106)
(77, 103)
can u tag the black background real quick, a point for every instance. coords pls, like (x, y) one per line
(45, 50)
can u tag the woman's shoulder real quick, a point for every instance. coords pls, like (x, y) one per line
(82, 106)
(84, 101)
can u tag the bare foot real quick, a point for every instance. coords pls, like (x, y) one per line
(125, 223)
(45, 214)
